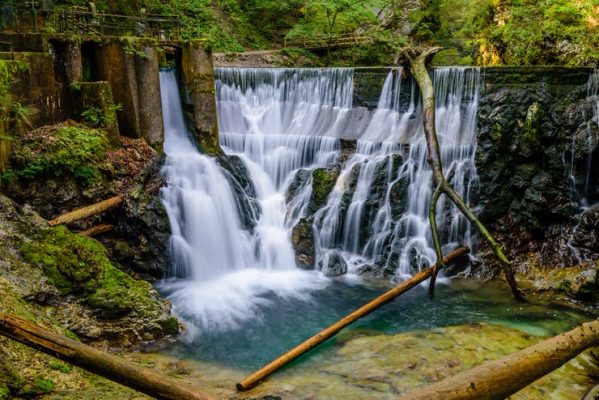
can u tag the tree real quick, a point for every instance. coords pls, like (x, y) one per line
(330, 18)
(417, 58)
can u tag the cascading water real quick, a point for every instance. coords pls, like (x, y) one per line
(280, 122)
(226, 271)
(379, 233)
(588, 140)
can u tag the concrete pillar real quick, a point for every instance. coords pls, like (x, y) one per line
(150, 107)
(73, 62)
(198, 76)
(118, 68)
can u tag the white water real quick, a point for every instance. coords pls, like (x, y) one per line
(391, 126)
(279, 121)
(228, 272)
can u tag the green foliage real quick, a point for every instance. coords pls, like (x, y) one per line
(79, 265)
(98, 118)
(59, 366)
(333, 17)
(520, 32)
(73, 149)
(8, 69)
(39, 386)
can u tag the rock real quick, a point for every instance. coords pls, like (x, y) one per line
(323, 182)
(245, 193)
(299, 181)
(333, 264)
(302, 239)
(71, 277)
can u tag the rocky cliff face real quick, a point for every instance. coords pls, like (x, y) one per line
(536, 144)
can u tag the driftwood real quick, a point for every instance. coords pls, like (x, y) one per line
(417, 59)
(98, 362)
(332, 330)
(87, 211)
(96, 230)
(501, 378)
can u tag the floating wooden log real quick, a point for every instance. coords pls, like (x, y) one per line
(98, 362)
(97, 230)
(87, 211)
(501, 378)
(255, 378)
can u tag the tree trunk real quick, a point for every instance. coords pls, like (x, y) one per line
(417, 60)
(98, 362)
(498, 379)
(332, 330)
(87, 211)
(96, 230)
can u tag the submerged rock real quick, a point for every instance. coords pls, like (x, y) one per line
(366, 364)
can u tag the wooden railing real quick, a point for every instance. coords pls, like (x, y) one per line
(323, 42)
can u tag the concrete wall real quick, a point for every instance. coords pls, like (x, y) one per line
(198, 79)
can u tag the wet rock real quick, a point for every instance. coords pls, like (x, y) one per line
(245, 193)
(333, 264)
(323, 181)
(302, 239)
(299, 181)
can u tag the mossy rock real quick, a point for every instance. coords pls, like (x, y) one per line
(323, 182)
(79, 265)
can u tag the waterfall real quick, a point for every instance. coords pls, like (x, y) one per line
(222, 272)
(399, 240)
(282, 125)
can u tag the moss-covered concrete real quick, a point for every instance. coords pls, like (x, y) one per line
(198, 75)
(150, 107)
(98, 102)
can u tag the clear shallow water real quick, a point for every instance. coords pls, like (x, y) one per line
(281, 323)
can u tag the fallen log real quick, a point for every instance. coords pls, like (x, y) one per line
(96, 230)
(98, 362)
(87, 211)
(255, 378)
(501, 378)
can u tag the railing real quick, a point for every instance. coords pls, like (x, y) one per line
(16, 14)
(323, 42)
(32, 16)
(163, 27)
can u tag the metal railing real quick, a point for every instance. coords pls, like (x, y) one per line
(34, 16)
(163, 27)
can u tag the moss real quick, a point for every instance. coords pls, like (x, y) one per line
(39, 386)
(531, 124)
(4, 392)
(59, 150)
(59, 366)
(323, 182)
(79, 265)
(170, 326)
